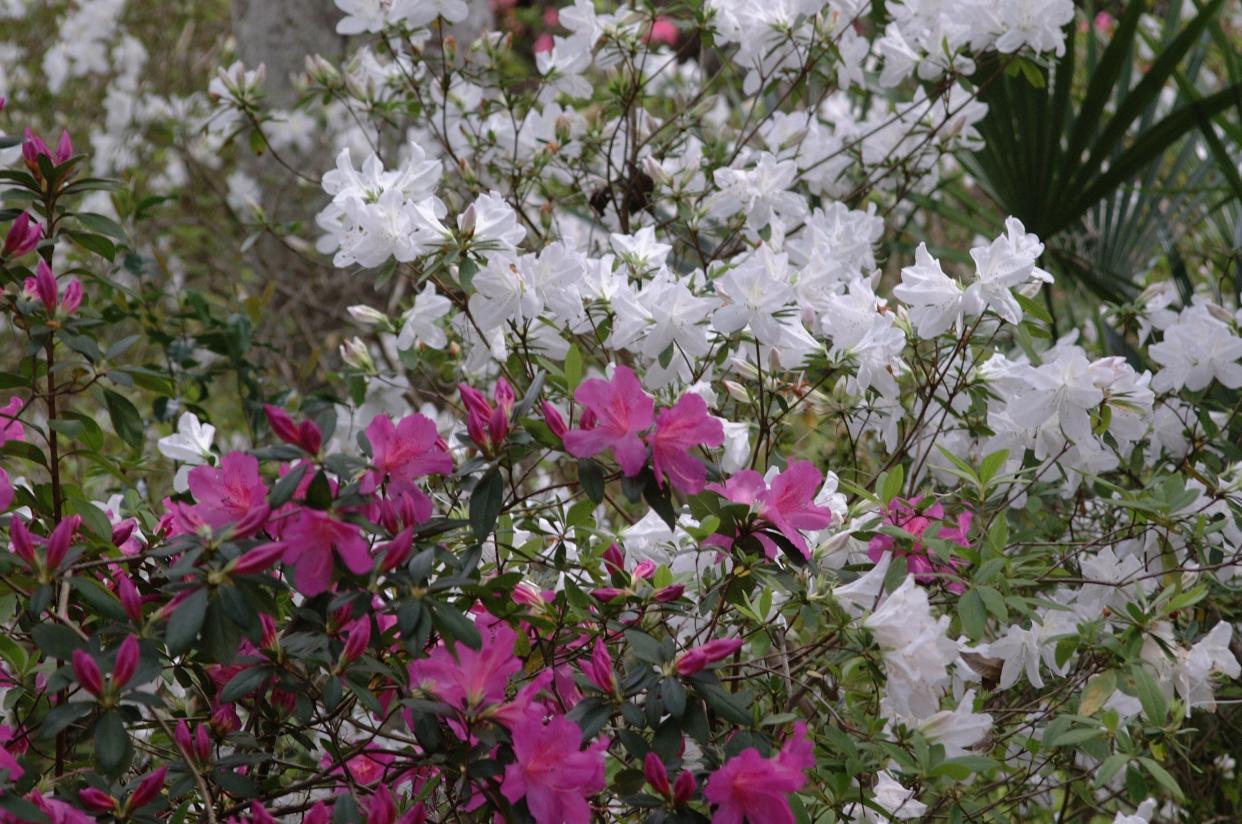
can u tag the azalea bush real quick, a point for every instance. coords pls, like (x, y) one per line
(656, 482)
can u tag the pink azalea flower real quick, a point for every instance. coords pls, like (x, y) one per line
(920, 562)
(789, 504)
(753, 788)
(616, 412)
(11, 428)
(677, 431)
(552, 772)
(312, 539)
(406, 451)
(487, 426)
(43, 286)
(467, 678)
(229, 493)
(9, 767)
(663, 31)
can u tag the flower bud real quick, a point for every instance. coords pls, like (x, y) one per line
(24, 236)
(97, 801)
(60, 541)
(182, 737)
(657, 776)
(131, 601)
(72, 298)
(260, 815)
(147, 790)
(599, 669)
(357, 639)
(474, 401)
(552, 417)
(259, 559)
(122, 531)
(33, 148)
(607, 593)
(683, 788)
(202, 743)
(21, 542)
(670, 593)
(318, 814)
(381, 809)
(128, 656)
(87, 673)
(614, 558)
(43, 286)
(397, 551)
(645, 570)
(710, 653)
(355, 353)
(505, 395)
(367, 315)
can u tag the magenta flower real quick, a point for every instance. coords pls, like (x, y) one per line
(11, 428)
(753, 788)
(487, 426)
(552, 772)
(656, 774)
(678, 430)
(97, 801)
(616, 412)
(23, 237)
(409, 450)
(467, 678)
(10, 770)
(127, 660)
(920, 562)
(229, 493)
(789, 504)
(553, 418)
(312, 539)
(148, 789)
(87, 673)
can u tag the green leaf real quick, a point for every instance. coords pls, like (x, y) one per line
(59, 718)
(244, 683)
(56, 640)
(573, 369)
(1098, 690)
(283, 490)
(1162, 777)
(591, 477)
(319, 493)
(1155, 707)
(101, 225)
(126, 421)
(456, 626)
(185, 622)
(890, 486)
(486, 502)
(98, 244)
(111, 743)
(974, 615)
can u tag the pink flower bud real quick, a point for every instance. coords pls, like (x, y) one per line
(224, 719)
(599, 669)
(683, 788)
(504, 395)
(202, 743)
(97, 801)
(310, 437)
(72, 298)
(268, 626)
(607, 593)
(128, 656)
(282, 425)
(645, 570)
(43, 286)
(670, 593)
(397, 551)
(121, 532)
(64, 148)
(614, 558)
(259, 559)
(415, 815)
(131, 601)
(24, 236)
(260, 815)
(381, 809)
(32, 148)
(147, 790)
(87, 672)
(21, 542)
(657, 776)
(182, 737)
(318, 814)
(476, 428)
(526, 594)
(474, 401)
(710, 653)
(60, 541)
(498, 426)
(552, 417)
(357, 639)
